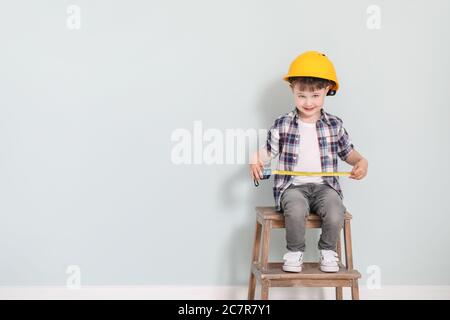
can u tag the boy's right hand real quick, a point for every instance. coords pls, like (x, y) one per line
(256, 170)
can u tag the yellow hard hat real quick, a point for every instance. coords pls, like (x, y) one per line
(314, 64)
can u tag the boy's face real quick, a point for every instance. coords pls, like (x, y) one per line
(309, 103)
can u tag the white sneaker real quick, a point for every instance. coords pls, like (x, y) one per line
(329, 261)
(293, 261)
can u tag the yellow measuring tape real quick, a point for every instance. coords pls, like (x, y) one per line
(311, 174)
(268, 172)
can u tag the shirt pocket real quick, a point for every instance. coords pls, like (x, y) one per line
(332, 143)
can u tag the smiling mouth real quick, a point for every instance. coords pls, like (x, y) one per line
(308, 109)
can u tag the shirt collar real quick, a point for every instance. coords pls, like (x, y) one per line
(323, 116)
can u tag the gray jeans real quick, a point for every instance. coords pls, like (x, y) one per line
(298, 201)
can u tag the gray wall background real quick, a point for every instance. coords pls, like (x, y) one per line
(86, 118)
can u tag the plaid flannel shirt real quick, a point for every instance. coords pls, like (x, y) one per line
(283, 141)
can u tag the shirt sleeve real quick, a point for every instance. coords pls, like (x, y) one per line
(273, 141)
(345, 145)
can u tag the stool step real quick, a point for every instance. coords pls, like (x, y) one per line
(310, 271)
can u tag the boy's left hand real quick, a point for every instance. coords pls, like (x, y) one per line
(359, 170)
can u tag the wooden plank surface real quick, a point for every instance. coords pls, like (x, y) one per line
(310, 271)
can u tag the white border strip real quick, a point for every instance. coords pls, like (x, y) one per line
(215, 293)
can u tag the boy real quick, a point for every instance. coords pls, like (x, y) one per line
(310, 139)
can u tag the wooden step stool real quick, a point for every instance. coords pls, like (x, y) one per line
(271, 274)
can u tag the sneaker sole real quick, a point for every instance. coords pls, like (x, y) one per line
(292, 269)
(329, 269)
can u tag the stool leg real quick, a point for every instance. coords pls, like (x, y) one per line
(348, 245)
(355, 290)
(338, 247)
(339, 293)
(255, 258)
(265, 290)
(349, 258)
(265, 244)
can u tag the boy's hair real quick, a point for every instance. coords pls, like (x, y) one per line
(310, 83)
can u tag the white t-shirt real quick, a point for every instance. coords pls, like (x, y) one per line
(308, 158)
